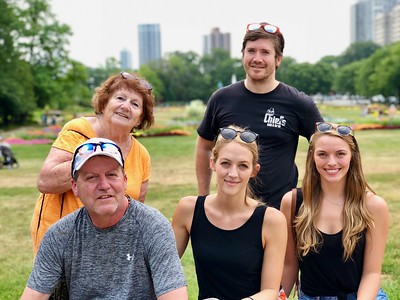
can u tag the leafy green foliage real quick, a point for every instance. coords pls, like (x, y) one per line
(38, 73)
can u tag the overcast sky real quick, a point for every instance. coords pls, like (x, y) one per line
(102, 28)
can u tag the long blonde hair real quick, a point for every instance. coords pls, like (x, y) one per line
(356, 217)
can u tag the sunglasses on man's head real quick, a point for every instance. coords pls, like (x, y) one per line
(247, 136)
(342, 130)
(86, 149)
(269, 28)
(142, 82)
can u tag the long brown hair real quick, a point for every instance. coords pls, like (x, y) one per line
(356, 217)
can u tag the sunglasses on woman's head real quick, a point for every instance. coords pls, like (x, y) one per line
(247, 136)
(342, 130)
(269, 28)
(142, 82)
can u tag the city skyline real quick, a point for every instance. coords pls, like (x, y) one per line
(101, 29)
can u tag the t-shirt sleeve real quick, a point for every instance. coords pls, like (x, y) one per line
(162, 255)
(311, 116)
(74, 133)
(208, 127)
(48, 267)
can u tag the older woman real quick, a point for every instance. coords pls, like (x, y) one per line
(123, 103)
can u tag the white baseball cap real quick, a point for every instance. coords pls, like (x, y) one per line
(94, 147)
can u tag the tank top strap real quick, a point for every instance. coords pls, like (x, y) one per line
(200, 201)
(258, 215)
(199, 213)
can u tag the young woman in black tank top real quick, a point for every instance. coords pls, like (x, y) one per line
(238, 242)
(340, 230)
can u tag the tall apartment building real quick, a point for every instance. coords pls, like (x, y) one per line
(149, 43)
(395, 23)
(387, 25)
(125, 58)
(360, 18)
(216, 39)
(376, 21)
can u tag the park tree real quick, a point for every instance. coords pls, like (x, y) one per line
(357, 51)
(75, 85)
(379, 74)
(43, 44)
(309, 78)
(330, 60)
(386, 78)
(238, 69)
(149, 73)
(344, 81)
(324, 74)
(16, 83)
(363, 83)
(96, 76)
(286, 64)
(217, 68)
(181, 76)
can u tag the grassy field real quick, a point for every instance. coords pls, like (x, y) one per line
(172, 178)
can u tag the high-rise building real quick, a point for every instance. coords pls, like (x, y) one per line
(361, 26)
(382, 29)
(125, 59)
(216, 39)
(387, 25)
(394, 35)
(376, 21)
(149, 43)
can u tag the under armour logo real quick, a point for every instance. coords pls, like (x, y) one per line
(129, 257)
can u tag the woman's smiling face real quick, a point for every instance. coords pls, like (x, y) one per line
(332, 156)
(234, 167)
(125, 108)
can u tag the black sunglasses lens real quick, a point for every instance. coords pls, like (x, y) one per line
(248, 136)
(228, 133)
(324, 127)
(343, 130)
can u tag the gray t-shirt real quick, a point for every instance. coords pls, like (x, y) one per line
(134, 259)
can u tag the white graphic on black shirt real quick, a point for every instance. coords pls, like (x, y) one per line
(273, 121)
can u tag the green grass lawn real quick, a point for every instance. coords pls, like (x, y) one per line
(172, 178)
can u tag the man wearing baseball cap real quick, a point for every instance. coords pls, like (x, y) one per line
(113, 247)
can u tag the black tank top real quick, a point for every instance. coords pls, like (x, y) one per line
(228, 262)
(326, 274)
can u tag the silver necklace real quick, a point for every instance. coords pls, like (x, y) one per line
(335, 203)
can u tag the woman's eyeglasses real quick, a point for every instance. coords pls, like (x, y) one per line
(85, 150)
(342, 130)
(143, 82)
(269, 28)
(247, 136)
